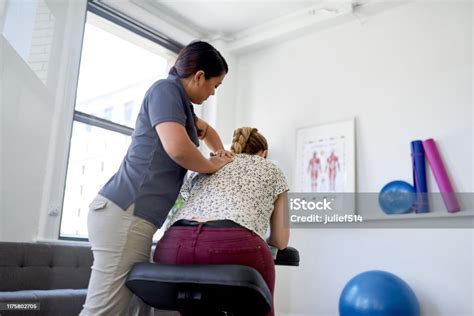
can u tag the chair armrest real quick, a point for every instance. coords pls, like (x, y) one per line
(288, 257)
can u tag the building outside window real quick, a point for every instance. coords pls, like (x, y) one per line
(127, 112)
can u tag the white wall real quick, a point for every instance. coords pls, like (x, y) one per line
(36, 119)
(405, 74)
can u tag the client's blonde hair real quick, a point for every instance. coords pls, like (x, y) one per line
(248, 140)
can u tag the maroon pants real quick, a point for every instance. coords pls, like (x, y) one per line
(216, 245)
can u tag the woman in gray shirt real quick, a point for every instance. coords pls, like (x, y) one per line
(136, 200)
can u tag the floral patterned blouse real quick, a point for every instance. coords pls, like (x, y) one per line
(242, 191)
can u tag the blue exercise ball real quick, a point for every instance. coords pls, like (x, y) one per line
(397, 197)
(378, 293)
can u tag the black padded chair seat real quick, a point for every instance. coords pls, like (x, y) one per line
(199, 290)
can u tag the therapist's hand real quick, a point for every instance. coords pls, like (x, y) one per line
(222, 153)
(220, 162)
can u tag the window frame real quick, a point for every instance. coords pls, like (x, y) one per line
(130, 24)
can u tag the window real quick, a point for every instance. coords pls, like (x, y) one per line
(127, 112)
(108, 113)
(117, 67)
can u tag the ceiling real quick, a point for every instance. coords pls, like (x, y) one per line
(245, 25)
(228, 17)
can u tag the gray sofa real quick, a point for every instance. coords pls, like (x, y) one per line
(56, 276)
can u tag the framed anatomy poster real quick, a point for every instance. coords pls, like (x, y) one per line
(325, 158)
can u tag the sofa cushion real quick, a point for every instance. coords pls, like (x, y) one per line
(32, 266)
(52, 302)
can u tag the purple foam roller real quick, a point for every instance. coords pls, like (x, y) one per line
(441, 176)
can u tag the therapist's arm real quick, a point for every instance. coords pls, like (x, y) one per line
(279, 234)
(184, 152)
(209, 136)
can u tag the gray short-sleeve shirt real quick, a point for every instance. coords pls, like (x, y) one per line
(147, 176)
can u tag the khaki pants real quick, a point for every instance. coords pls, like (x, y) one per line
(119, 239)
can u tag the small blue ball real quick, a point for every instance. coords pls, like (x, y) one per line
(397, 197)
